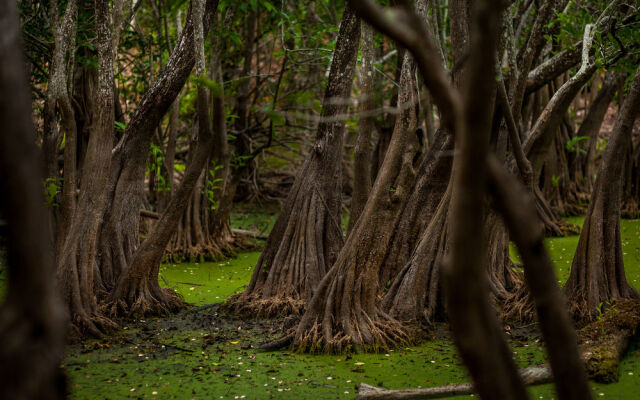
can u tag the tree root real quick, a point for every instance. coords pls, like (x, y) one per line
(96, 325)
(253, 305)
(368, 335)
(159, 301)
(519, 306)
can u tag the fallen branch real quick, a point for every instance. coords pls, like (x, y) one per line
(535, 375)
(255, 235)
(603, 343)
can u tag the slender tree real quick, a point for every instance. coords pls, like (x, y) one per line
(362, 151)
(307, 235)
(76, 263)
(138, 291)
(32, 326)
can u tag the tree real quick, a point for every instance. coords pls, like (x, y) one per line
(480, 341)
(362, 151)
(138, 291)
(119, 234)
(597, 272)
(307, 235)
(31, 327)
(76, 261)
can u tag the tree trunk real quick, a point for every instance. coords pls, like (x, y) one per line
(76, 263)
(343, 312)
(362, 151)
(31, 316)
(597, 272)
(422, 205)
(204, 231)
(119, 234)
(307, 235)
(590, 128)
(138, 291)
(476, 331)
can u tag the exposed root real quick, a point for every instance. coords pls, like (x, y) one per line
(252, 305)
(519, 306)
(96, 325)
(368, 335)
(630, 209)
(181, 250)
(279, 343)
(146, 301)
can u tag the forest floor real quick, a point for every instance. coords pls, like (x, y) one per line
(202, 353)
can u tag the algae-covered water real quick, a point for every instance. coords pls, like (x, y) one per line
(199, 354)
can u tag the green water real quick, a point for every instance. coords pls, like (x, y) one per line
(190, 366)
(205, 283)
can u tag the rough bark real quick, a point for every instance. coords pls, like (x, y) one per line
(307, 236)
(31, 326)
(76, 262)
(138, 291)
(597, 272)
(475, 329)
(343, 312)
(58, 97)
(422, 205)
(119, 234)
(362, 151)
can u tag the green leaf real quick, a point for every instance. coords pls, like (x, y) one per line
(120, 126)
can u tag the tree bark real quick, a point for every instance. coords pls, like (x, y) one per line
(32, 321)
(362, 151)
(476, 331)
(76, 263)
(138, 291)
(343, 313)
(120, 230)
(307, 236)
(597, 272)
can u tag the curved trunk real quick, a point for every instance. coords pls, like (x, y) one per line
(597, 273)
(119, 235)
(204, 231)
(307, 236)
(590, 128)
(138, 291)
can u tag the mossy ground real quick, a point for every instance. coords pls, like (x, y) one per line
(200, 354)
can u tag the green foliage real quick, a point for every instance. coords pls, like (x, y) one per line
(155, 164)
(571, 145)
(212, 186)
(555, 181)
(120, 126)
(51, 188)
(214, 87)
